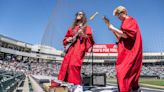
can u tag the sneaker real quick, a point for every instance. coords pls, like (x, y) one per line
(138, 90)
(79, 88)
(71, 88)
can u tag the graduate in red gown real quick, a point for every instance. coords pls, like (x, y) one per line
(70, 70)
(129, 61)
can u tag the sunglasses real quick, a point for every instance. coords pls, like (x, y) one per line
(79, 14)
(119, 14)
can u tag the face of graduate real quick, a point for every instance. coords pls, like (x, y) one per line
(79, 15)
(121, 16)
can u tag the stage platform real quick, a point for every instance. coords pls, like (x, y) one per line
(101, 89)
(108, 88)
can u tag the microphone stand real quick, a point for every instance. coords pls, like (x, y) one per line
(92, 64)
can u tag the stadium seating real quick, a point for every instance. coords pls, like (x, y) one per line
(9, 80)
(11, 73)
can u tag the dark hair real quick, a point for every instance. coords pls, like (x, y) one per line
(83, 20)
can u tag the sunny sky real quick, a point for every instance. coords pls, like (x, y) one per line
(46, 21)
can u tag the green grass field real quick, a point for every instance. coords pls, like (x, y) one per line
(156, 82)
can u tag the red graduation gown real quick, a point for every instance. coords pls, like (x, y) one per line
(70, 70)
(129, 62)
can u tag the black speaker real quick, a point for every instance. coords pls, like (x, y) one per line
(99, 79)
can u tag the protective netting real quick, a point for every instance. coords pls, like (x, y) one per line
(63, 16)
(64, 11)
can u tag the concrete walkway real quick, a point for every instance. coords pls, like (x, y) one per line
(36, 87)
